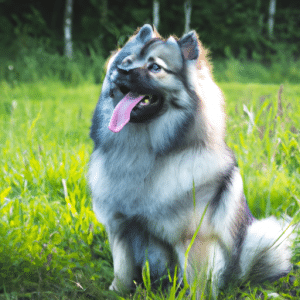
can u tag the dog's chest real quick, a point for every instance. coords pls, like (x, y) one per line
(165, 188)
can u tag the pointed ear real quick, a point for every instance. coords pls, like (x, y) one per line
(145, 33)
(189, 46)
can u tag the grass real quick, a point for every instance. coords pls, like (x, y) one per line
(281, 69)
(51, 245)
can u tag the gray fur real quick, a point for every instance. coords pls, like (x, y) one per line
(142, 177)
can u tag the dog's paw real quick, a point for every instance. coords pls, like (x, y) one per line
(113, 286)
(119, 287)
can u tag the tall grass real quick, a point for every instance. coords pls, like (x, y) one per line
(284, 70)
(263, 130)
(33, 65)
(48, 232)
(51, 245)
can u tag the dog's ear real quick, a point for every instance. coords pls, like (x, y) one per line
(189, 46)
(145, 33)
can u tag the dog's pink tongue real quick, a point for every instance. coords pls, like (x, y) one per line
(121, 113)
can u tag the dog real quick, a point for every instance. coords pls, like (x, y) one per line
(163, 181)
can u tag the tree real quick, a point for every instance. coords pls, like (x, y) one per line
(156, 13)
(188, 13)
(272, 9)
(68, 29)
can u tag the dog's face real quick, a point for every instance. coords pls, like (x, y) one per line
(164, 91)
(154, 79)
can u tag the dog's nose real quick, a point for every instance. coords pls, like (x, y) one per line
(122, 69)
(126, 64)
(127, 61)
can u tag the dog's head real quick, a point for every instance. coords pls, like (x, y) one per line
(165, 90)
(154, 78)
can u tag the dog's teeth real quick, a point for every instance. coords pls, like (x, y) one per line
(144, 102)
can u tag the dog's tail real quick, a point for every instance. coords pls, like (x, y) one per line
(266, 252)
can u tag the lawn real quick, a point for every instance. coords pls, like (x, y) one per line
(51, 245)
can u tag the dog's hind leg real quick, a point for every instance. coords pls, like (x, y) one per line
(206, 263)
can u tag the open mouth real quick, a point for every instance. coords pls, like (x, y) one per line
(134, 108)
(146, 109)
(148, 100)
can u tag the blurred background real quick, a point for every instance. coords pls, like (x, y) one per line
(249, 40)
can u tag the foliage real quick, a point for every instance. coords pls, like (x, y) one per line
(266, 123)
(32, 38)
(246, 71)
(37, 64)
(51, 245)
(48, 232)
(240, 27)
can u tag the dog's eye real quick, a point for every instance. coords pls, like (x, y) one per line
(155, 68)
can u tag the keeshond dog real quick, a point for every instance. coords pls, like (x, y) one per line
(161, 174)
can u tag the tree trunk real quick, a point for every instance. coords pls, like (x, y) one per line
(272, 9)
(155, 13)
(68, 29)
(188, 13)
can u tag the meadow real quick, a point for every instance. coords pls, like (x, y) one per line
(51, 245)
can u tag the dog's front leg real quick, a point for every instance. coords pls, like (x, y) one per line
(180, 252)
(123, 264)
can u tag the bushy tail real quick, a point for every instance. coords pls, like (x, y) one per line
(266, 253)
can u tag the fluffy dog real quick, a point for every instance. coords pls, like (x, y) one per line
(160, 166)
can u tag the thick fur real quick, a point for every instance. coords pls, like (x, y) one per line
(142, 178)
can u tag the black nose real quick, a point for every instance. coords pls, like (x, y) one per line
(126, 64)
(122, 70)
(127, 61)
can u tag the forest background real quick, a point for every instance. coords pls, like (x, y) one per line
(249, 40)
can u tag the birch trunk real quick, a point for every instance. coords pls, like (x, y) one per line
(68, 29)
(156, 13)
(272, 9)
(188, 13)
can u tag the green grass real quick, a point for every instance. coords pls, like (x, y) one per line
(280, 69)
(51, 245)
